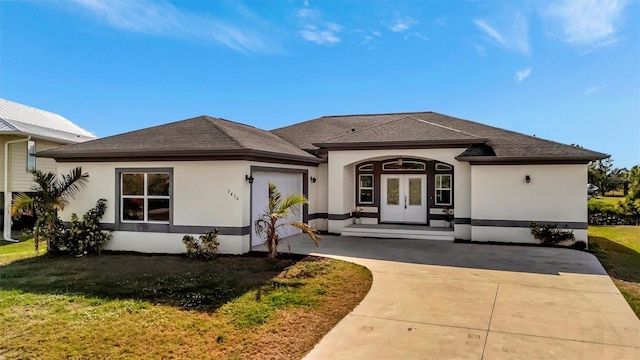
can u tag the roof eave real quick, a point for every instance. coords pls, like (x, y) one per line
(243, 154)
(542, 159)
(48, 138)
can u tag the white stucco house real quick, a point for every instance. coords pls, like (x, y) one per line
(25, 130)
(405, 171)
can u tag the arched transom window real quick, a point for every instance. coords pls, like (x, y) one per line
(406, 165)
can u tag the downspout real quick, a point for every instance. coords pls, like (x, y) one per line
(7, 199)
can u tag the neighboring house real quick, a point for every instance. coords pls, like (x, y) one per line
(405, 171)
(592, 190)
(25, 130)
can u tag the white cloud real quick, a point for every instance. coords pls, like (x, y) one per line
(334, 27)
(523, 74)
(591, 90)
(402, 25)
(316, 30)
(307, 14)
(417, 35)
(490, 31)
(514, 35)
(368, 36)
(161, 18)
(367, 39)
(320, 37)
(588, 23)
(420, 36)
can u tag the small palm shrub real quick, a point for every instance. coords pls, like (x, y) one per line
(49, 194)
(268, 224)
(205, 247)
(550, 234)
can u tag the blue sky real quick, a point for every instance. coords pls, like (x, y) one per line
(564, 70)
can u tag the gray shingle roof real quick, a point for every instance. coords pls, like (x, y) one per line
(200, 136)
(23, 119)
(410, 127)
(205, 136)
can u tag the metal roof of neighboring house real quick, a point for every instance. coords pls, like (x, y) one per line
(23, 119)
(412, 129)
(195, 138)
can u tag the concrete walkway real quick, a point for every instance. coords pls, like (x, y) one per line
(440, 300)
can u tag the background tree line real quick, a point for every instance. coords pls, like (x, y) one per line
(607, 178)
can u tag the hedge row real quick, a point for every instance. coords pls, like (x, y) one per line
(608, 218)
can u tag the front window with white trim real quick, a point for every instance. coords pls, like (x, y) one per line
(365, 190)
(443, 189)
(145, 197)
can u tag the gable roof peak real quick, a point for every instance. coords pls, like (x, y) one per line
(378, 114)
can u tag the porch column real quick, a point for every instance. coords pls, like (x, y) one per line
(341, 193)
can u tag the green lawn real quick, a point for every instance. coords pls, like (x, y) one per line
(618, 249)
(606, 200)
(604, 203)
(135, 306)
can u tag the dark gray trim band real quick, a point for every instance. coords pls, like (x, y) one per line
(526, 223)
(462, 221)
(175, 229)
(338, 216)
(318, 216)
(278, 169)
(370, 215)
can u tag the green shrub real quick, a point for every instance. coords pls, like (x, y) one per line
(550, 234)
(630, 207)
(205, 247)
(579, 245)
(83, 236)
(598, 207)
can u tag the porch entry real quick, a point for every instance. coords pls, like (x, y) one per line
(403, 198)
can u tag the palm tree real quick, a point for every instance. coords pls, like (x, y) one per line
(50, 193)
(279, 208)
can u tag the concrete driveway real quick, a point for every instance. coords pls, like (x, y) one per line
(440, 300)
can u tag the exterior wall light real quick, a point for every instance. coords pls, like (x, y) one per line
(249, 179)
(527, 178)
(313, 179)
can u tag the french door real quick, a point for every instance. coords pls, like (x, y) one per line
(403, 198)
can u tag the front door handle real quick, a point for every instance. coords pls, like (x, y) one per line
(405, 201)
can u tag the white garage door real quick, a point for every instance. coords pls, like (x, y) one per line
(287, 183)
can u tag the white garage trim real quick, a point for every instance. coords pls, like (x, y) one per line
(288, 181)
